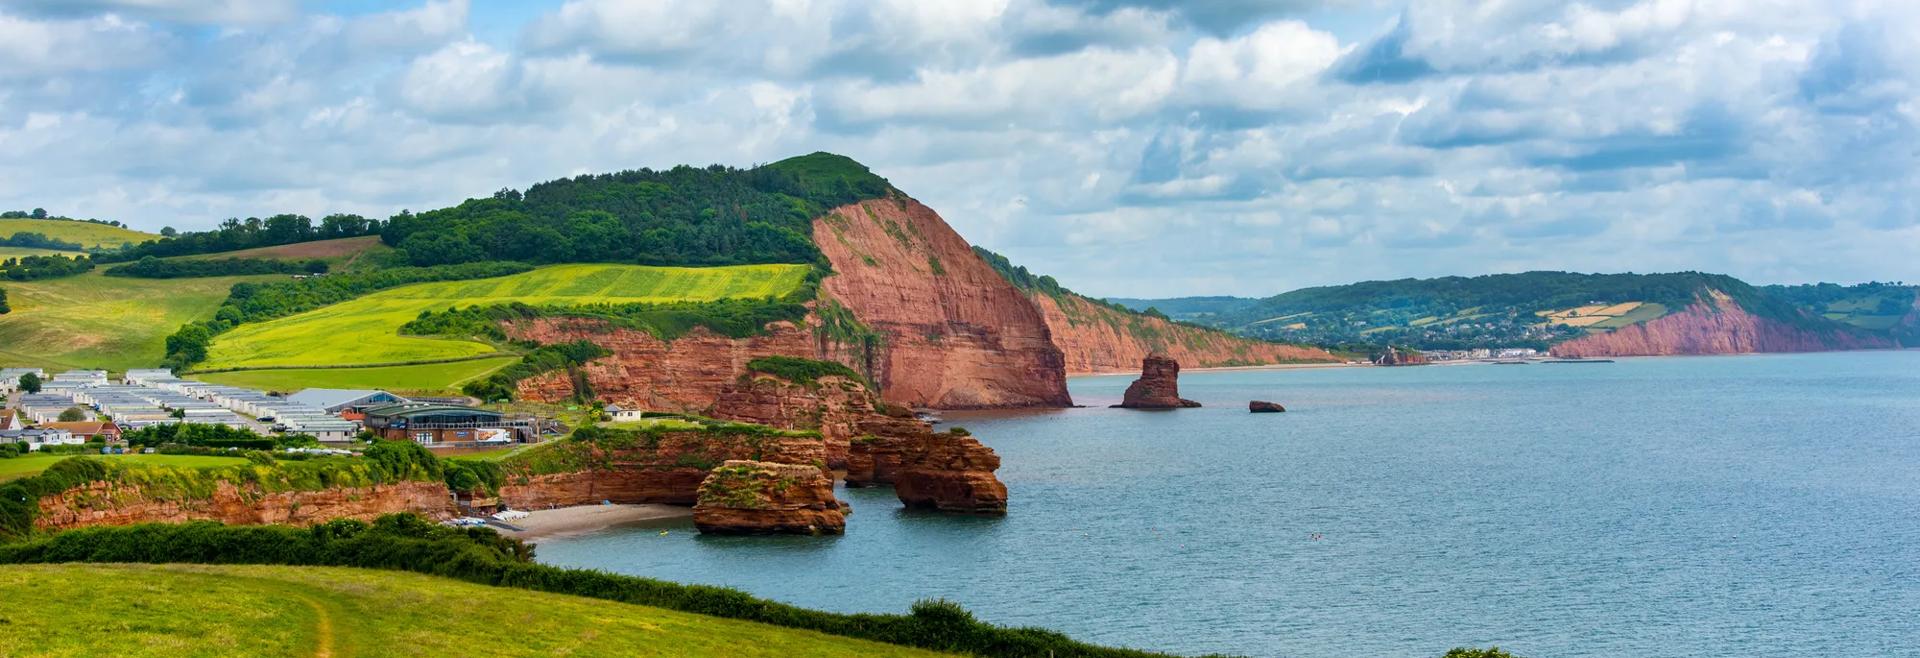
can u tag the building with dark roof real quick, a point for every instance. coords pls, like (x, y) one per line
(445, 424)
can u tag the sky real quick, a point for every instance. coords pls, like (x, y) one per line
(1143, 148)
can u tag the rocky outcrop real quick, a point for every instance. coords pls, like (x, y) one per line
(645, 372)
(1399, 357)
(122, 503)
(954, 333)
(1265, 407)
(1098, 339)
(837, 407)
(754, 497)
(1714, 325)
(950, 472)
(639, 467)
(1158, 386)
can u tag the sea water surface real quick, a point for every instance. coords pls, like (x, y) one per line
(1706, 506)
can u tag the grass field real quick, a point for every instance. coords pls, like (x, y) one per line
(19, 467)
(342, 254)
(199, 610)
(95, 321)
(88, 234)
(426, 378)
(366, 330)
(16, 252)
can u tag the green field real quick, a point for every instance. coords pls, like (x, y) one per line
(342, 253)
(195, 610)
(95, 321)
(88, 234)
(17, 252)
(426, 378)
(23, 466)
(366, 330)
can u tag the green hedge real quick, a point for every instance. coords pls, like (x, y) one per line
(409, 543)
(806, 372)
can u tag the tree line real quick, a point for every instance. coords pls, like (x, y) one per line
(34, 268)
(32, 240)
(253, 232)
(154, 268)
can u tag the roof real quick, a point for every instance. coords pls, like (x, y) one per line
(82, 427)
(417, 409)
(327, 398)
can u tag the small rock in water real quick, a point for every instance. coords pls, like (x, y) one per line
(1265, 407)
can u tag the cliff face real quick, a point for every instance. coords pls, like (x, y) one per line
(836, 407)
(111, 503)
(754, 498)
(1097, 340)
(668, 470)
(956, 334)
(1714, 326)
(687, 374)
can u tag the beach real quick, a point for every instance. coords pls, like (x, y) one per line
(586, 518)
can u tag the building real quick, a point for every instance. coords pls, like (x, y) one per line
(438, 424)
(619, 413)
(336, 400)
(10, 419)
(38, 437)
(88, 431)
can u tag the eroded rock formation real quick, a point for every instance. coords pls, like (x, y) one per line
(837, 407)
(956, 334)
(1096, 339)
(1158, 386)
(1265, 407)
(756, 498)
(949, 472)
(117, 503)
(687, 374)
(1715, 325)
(1399, 357)
(666, 467)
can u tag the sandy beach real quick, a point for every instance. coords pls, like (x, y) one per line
(569, 520)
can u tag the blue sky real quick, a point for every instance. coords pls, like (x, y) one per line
(1129, 147)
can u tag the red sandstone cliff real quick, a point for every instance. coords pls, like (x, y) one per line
(1097, 339)
(1158, 386)
(668, 470)
(112, 503)
(752, 498)
(836, 407)
(1717, 325)
(687, 374)
(956, 334)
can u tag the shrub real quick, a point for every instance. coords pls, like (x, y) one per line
(806, 372)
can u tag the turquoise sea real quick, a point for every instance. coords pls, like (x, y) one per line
(1705, 506)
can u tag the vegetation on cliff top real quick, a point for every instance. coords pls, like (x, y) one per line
(681, 216)
(806, 372)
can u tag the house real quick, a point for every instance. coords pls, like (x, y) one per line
(9, 419)
(440, 424)
(88, 431)
(38, 437)
(336, 400)
(620, 413)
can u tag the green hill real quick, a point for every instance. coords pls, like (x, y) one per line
(1532, 309)
(1890, 307)
(366, 330)
(87, 234)
(191, 610)
(1192, 309)
(95, 321)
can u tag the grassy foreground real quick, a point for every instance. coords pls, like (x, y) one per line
(367, 330)
(95, 321)
(225, 610)
(87, 234)
(29, 465)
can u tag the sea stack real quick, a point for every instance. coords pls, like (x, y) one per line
(1265, 407)
(1158, 386)
(765, 498)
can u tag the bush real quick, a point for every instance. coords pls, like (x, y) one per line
(406, 542)
(806, 372)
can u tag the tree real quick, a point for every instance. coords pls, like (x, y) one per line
(168, 232)
(30, 383)
(73, 415)
(4, 309)
(38, 213)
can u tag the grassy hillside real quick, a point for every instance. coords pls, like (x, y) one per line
(19, 467)
(341, 253)
(16, 252)
(94, 321)
(423, 378)
(88, 234)
(187, 610)
(1888, 307)
(366, 330)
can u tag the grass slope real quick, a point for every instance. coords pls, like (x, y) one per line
(342, 253)
(88, 234)
(424, 378)
(366, 330)
(29, 465)
(95, 321)
(192, 610)
(17, 252)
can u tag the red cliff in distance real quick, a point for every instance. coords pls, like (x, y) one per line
(1097, 339)
(1717, 325)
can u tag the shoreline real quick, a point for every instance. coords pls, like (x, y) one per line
(1269, 366)
(580, 519)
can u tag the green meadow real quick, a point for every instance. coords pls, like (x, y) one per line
(423, 378)
(200, 610)
(17, 252)
(95, 321)
(367, 330)
(87, 234)
(28, 465)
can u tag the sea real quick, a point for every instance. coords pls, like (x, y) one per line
(1764, 505)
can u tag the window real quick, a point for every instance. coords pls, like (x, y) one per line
(423, 438)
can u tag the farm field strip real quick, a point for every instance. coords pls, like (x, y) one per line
(87, 234)
(366, 330)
